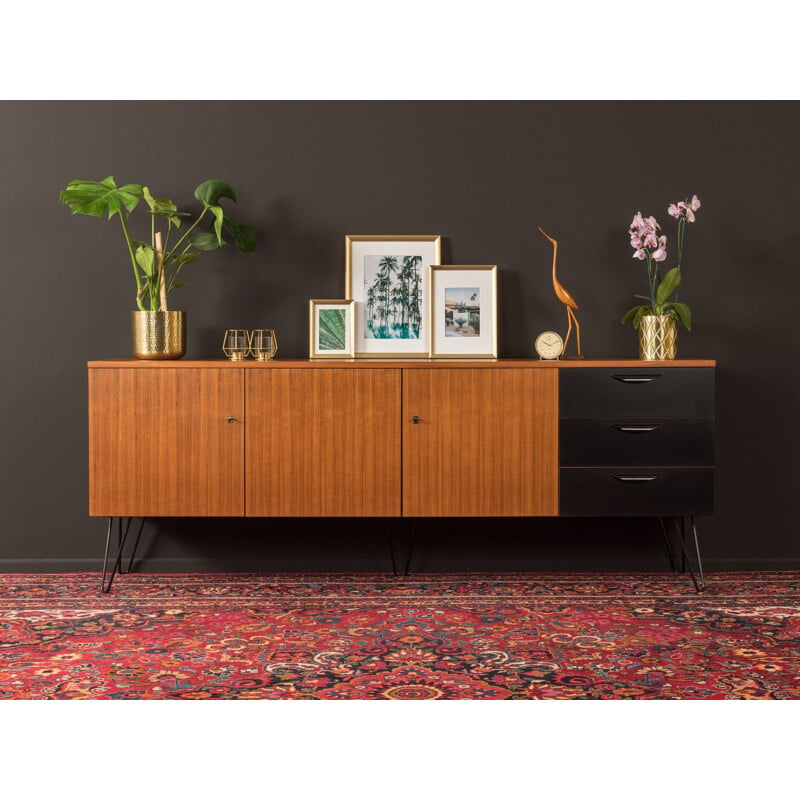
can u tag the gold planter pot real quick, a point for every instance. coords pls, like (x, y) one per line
(158, 335)
(658, 337)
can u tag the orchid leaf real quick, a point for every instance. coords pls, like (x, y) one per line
(95, 198)
(209, 192)
(668, 286)
(634, 315)
(684, 314)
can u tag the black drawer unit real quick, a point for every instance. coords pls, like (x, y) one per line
(641, 492)
(636, 441)
(655, 392)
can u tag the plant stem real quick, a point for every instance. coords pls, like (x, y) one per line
(189, 230)
(139, 300)
(681, 231)
(651, 278)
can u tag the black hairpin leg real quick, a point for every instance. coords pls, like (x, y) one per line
(410, 550)
(411, 544)
(122, 537)
(685, 559)
(668, 546)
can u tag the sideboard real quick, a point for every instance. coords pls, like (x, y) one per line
(400, 438)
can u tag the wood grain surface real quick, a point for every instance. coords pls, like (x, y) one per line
(160, 445)
(486, 443)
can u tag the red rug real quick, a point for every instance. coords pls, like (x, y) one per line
(487, 637)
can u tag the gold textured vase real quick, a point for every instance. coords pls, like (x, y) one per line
(158, 335)
(658, 337)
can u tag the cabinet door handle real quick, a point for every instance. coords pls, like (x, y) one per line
(634, 478)
(230, 419)
(415, 419)
(636, 378)
(636, 428)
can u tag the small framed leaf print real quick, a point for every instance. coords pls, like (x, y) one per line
(331, 329)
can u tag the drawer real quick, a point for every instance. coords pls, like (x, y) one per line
(640, 492)
(636, 441)
(645, 391)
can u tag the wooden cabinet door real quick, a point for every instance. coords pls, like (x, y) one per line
(323, 442)
(485, 442)
(160, 444)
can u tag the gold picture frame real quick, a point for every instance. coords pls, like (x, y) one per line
(330, 329)
(463, 311)
(388, 279)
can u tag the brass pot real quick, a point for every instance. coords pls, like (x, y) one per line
(658, 337)
(158, 335)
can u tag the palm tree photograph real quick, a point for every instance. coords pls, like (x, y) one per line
(462, 311)
(393, 296)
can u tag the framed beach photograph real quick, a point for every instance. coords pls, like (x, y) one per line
(330, 333)
(388, 279)
(463, 311)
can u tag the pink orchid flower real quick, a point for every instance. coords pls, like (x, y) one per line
(661, 253)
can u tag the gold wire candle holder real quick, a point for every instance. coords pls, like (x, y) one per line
(236, 344)
(263, 344)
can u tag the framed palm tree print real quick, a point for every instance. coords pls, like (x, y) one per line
(388, 279)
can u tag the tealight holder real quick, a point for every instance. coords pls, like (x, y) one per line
(236, 344)
(263, 344)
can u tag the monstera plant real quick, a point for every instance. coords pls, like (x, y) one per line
(157, 263)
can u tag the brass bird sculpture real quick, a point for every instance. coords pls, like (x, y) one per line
(566, 298)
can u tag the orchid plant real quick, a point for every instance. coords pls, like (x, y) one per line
(651, 246)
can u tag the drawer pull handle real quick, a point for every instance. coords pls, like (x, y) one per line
(636, 428)
(230, 419)
(636, 378)
(634, 478)
(415, 419)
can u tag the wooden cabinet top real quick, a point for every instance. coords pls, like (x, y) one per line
(398, 363)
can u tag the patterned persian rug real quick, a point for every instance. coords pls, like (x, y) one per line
(376, 636)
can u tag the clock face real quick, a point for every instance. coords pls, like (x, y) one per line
(549, 345)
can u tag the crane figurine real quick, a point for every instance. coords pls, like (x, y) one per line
(566, 298)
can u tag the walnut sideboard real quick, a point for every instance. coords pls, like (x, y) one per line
(400, 438)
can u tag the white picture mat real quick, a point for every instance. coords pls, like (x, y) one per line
(429, 251)
(484, 279)
(348, 309)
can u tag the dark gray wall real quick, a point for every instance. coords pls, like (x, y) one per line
(481, 174)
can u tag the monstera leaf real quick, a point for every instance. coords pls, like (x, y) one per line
(211, 191)
(95, 198)
(164, 207)
(243, 235)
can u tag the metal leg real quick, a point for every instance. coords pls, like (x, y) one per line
(667, 544)
(680, 527)
(699, 560)
(121, 539)
(391, 551)
(685, 560)
(411, 544)
(135, 546)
